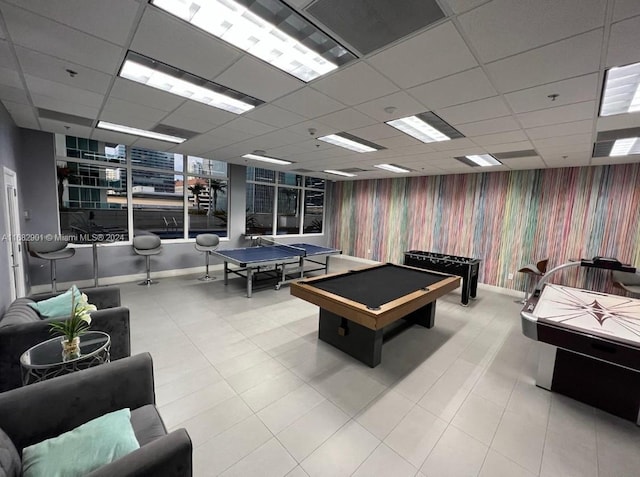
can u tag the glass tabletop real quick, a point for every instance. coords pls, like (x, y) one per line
(49, 353)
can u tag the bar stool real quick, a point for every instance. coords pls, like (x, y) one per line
(51, 250)
(537, 270)
(207, 243)
(147, 245)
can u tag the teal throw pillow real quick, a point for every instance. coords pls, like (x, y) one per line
(83, 449)
(57, 306)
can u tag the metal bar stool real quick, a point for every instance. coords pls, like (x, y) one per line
(147, 245)
(51, 250)
(538, 270)
(207, 243)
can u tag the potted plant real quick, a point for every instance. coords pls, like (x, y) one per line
(72, 328)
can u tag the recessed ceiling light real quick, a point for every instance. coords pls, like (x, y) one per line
(392, 168)
(621, 90)
(139, 132)
(350, 142)
(625, 147)
(426, 127)
(272, 160)
(157, 75)
(256, 30)
(482, 160)
(339, 173)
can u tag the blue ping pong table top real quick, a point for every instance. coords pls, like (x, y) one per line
(274, 253)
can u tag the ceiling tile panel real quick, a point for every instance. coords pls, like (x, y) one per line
(453, 90)
(376, 131)
(10, 77)
(138, 93)
(619, 121)
(113, 137)
(453, 144)
(488, 126)
(274, 116)
(575, 161)
(602, 161)
(346, 120)
(579, 139)
(22, 114)
(575, 127)
(63, 92)
(355, 84)
(474, 111)
(184, 122)
(523, 163)
(249, 126)
(64, 128)
(574, 90)
(54, 104)
(623, 42)
(258, 79)
(625, 9)
(131, 114)
(309, 103)
(510, 147)
(111, 20)
(403, 105)
(562, 114)
(54, 69)
(174, 42)
(554, 62)
(416, 60)
(204, 113)
(500, 138)
(460, 6)
(46, 36)
(503, 27)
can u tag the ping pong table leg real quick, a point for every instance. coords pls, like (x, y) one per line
(249, 281)
(226, 273)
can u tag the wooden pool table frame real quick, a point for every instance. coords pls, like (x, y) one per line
(357, 330)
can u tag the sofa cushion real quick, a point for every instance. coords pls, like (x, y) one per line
(10, 464)
(83, 449)
(59, 306)
(147, 424)
(19, 312)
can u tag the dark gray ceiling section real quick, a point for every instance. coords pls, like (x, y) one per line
(367, 25)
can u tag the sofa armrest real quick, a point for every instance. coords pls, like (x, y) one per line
(16, 339)
(47, 409)
(102, 297)
(168, 456)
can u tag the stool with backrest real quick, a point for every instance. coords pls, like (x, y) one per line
(147, 245)
(534, 270)
(207, 243)
(51, 250)
(629, 282)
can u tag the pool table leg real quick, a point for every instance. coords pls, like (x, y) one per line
(356, 340)
(424, 316)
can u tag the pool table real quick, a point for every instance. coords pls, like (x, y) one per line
(358, 306)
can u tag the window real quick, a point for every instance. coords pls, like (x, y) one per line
(207, 196)
(296, 202)
(92, 189)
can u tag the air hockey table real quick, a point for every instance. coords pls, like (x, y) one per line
(589, 346)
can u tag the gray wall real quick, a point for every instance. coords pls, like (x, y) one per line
(115, 260)
(9, 154)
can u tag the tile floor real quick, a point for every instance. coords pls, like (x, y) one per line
(260, 395)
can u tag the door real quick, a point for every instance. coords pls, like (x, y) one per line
(13, 240)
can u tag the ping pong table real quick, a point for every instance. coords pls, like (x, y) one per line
(275, 260)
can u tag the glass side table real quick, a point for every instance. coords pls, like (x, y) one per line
(45, 361)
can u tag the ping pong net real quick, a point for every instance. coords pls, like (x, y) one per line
(271, 242)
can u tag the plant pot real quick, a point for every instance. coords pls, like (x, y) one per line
(71, 349)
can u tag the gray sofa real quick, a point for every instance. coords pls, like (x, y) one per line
(26, 417)
(21, 327)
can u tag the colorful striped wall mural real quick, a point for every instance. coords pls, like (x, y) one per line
(508, 219)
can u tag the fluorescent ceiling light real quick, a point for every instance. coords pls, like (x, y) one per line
(234, 23)
(392, 168)
(625, 147)
(416, 127)
(139, 132)
(483, 160)
(348, 142)
(272, 160)
(149, 72)
(621, 90)
(339, 173)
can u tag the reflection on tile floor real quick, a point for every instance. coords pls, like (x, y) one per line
(260, 395)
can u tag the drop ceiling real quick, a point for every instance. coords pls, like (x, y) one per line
(489, 68)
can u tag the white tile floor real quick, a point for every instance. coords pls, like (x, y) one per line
(260, 395)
